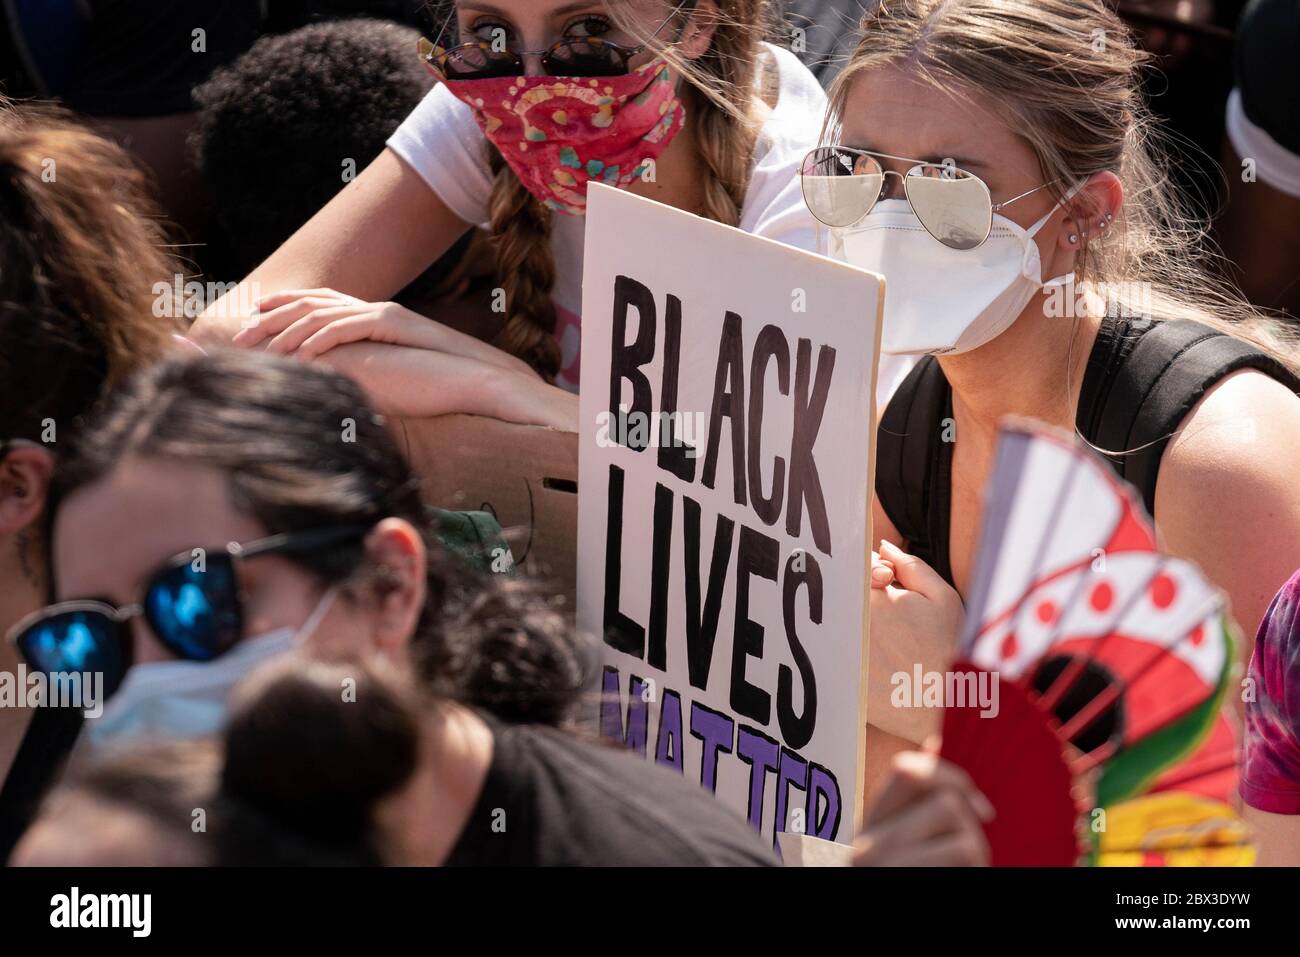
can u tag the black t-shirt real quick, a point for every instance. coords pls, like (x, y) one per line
(555, 799)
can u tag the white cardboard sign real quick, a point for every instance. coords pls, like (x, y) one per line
(725, 474)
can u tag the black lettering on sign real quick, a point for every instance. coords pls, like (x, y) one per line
(621, 632)
(805, 483)
(660, 560)
(758, 555)
(702, 624)
(797, 729)
(626, 359)
(673, 453)
(729, 402)
(771, 344)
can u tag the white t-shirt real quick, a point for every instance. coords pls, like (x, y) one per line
(441, 141)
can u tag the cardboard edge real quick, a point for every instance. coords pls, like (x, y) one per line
(860, 798)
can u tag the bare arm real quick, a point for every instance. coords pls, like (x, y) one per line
(1227, 497)
(415, 383)
(380, 232)
(1277, 837)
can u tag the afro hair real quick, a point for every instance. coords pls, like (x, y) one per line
(284, 127)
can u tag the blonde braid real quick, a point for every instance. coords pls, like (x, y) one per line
(724, 146)
(721, 91)
(521, 230)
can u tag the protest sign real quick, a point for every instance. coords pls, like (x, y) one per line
(725, 475)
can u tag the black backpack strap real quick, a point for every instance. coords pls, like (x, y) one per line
(1143, 379)
(45, 747)
(913, 463)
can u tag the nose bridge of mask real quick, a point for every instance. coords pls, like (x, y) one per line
(886, 214)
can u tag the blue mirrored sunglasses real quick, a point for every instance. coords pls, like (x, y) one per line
(192, 603)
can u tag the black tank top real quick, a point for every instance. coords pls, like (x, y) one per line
(1143, 378)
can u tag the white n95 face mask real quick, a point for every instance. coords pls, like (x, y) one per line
(939, 300)
(169, 700)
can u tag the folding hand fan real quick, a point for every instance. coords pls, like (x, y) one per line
(1186, 818)
(1120, 652)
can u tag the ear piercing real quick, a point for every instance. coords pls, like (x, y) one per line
(1073, 238)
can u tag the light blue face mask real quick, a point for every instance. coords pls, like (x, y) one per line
(168, 700)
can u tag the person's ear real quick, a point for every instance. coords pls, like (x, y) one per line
(701, 20)
(25, 474)
(395, 548)
(1093, 211)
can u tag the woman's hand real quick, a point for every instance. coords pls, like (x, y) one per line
(309, 323)
(915, 620)
(882, 571)
(929, 814)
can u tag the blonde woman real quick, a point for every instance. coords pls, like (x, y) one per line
(694, 110)
(996, 163)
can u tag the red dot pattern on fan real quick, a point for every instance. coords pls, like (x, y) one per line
(1009, 645)
(1163, 591)
(1103, 595)
(1197, 636)
(1046, 612)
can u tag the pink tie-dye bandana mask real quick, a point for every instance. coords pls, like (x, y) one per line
(560, 133)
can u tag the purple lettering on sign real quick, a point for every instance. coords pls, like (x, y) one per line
(822, 784)
(715, 730)
(793, 770)
(668, 743)
(761, 753)
(638, 711)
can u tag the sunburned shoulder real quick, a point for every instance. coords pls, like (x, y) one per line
(1227, 495)
(1244, 431)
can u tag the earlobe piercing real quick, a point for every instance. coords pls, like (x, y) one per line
(1073, 238)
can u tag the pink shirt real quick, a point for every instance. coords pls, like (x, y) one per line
(1270, 768)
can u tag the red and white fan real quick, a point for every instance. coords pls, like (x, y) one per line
(1110, 659)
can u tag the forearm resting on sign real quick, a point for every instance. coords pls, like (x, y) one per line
(418, 383)
(371, 240)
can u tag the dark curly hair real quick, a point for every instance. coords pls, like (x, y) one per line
(276, 128)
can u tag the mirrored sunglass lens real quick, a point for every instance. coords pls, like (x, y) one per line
(75, 642)
(582, 57)
(953, 205)
(840, 187)
(193, 608)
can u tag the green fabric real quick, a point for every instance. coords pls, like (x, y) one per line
(476, 538)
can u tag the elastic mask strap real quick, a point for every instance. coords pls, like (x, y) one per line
(1033, 230)
(316, 617)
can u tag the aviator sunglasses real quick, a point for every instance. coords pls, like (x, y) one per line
(571, 56)
(841, 185)
(193, 606)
